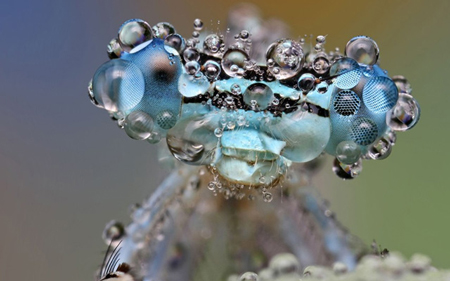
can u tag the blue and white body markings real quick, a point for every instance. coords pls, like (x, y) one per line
(248, 120)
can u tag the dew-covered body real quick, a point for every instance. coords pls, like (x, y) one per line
(242, 124)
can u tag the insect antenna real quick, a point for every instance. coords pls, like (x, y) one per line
(109, 256)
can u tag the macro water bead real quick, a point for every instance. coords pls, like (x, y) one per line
(285, 58)
(134, 32)
(363, 49)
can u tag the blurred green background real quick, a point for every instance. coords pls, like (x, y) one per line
(66, 169)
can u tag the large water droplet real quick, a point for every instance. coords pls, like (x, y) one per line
(363, 49)
(348, 152)
(163, 29)
(306, 82)
(191, 54)
(405, 114)
(258, 94)
(118, 85)
(134, 32)
(381, 149)
(321, 64)
(138, 125)
(286, 58)
(234, 60)
(198, 24)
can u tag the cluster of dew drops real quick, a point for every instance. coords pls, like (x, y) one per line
(285, 59)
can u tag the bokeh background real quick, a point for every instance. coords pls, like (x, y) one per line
(66, 169)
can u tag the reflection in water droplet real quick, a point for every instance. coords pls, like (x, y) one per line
(212, 45)
(138, 125)
(114, 49)
(258, 94)
(287, 57)
(348, 152)
(347, 172)
(363, 49)
(306, 82)
(191, 54)
(233, 61)
(198, 24)
(163, 29)
(134, 32)
(321, 64)
(218, 132)
(114, 231)
(175, 41)
(212, 70)
(184, 150)
(381, 149)
(405, 114)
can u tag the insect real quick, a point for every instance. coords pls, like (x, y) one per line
(245, 123)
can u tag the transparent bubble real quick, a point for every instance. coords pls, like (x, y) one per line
(287, 57)
(233, 60)
(114, 231)
(118, 85)
(381, 149)
(212, 70)
(198, 24)
(405, 114)
(348, 152)
(321, 64)
(260, 94)
(363, 49)
(163, 29)
(306, 82)
(175, 41)
(249, 276)
(134, 32)
(114, 49)
(166, 119)
(212, 45)
(192, 67)
(184, 150)
(402, 84)
(235, 89)
(285, 263)
(191, 54)
(138, 125)
(244, 34)
(267, 197)
(320, 39)
(218, 132)
(345, 171)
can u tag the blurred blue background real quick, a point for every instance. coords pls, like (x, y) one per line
(66, 169)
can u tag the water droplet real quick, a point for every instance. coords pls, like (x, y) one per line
(321, 64)
(339, 268)
(133, 33)
(320, 39)
(231, 125)
(235, 89)
(342, 66)
(195, 34)
(191, 54)
(218, 132)
(163, 29)
(118, 85)
(345, 171)
(198, 24)
(212, 45)
(306, 82)
(175, 41)
(267, 197)
(405, 114)
(276, 102)
(113, 232)
(258, 93)
(363, 49)
(192, 67)
(402, 84)
(114, 49)
(212, 185)
(166, 119)
(138, 125)
(91, 95)
(184, 150)
(241, 121)
(233, 60)
(249, 276)
(262, 179)
(287, 56)
(379, 150)
(154, 137)
(244, 34)
(348, 152)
